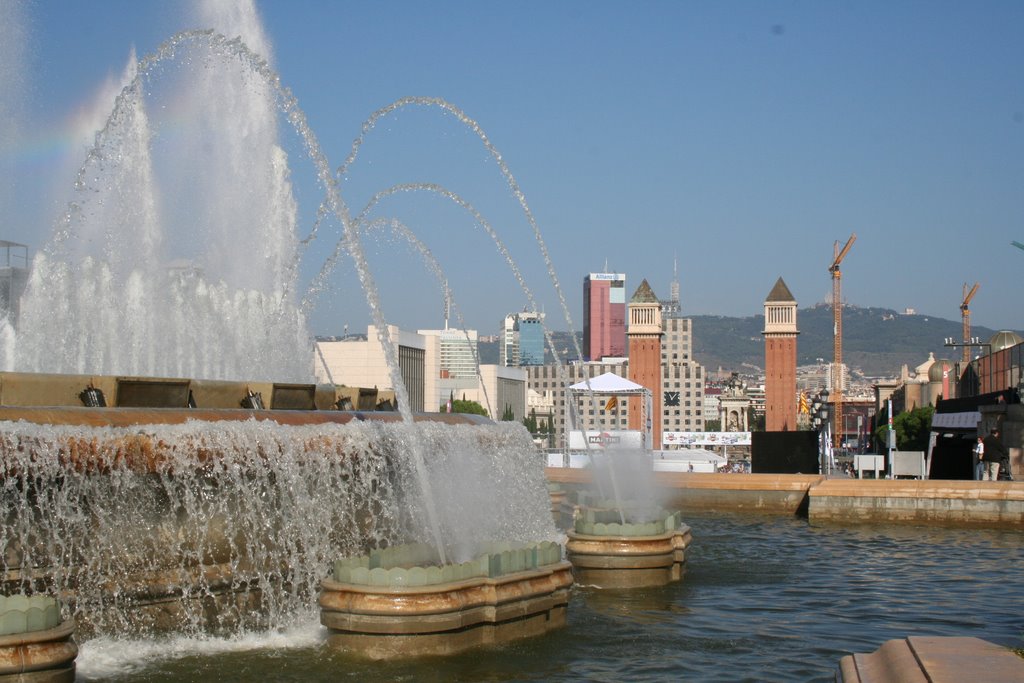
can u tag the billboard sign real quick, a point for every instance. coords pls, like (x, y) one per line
(705, 438)
(602, 440)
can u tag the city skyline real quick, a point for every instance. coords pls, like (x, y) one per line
(742, 139)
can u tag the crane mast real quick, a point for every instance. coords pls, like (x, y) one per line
(965, 312)
(837, 332)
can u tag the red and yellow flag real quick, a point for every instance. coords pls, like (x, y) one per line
(612, 403)
(804, 407)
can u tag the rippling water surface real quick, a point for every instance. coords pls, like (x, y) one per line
(763, 599)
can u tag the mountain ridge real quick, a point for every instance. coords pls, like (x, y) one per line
(877, 342)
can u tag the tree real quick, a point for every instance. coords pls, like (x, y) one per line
(464, 406)
(712, 425)
(912, 428)
(531, 422)
(508, 415)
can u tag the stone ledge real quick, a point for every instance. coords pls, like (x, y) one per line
(916, 488)
(933, 659)
(942, 502)
(701, 480)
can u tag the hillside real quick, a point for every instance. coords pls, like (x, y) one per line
(877, 342)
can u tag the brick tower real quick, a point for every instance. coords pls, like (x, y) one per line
(780, 331)
(644, 334)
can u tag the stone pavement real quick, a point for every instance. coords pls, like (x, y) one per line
(932, 659)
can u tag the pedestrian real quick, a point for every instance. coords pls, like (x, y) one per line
(993, 456)
(979, 466)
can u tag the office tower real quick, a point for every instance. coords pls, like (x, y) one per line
(604, 316)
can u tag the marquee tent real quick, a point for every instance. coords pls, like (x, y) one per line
(609, 384)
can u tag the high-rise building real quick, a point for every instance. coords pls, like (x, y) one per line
(604, 316)
(508, 341)
(780, 331)
(531, 338)
(457, 352)
(682, 379)
(522, 339)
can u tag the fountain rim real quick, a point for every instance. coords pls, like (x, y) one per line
(133, 417)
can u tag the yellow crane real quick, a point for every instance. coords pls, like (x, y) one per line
(965, 313)
(837, 332)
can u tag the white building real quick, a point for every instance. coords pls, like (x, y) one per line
(356, 362)
(434, 365)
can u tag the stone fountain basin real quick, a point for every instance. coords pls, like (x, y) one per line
(398, 608)
(37, 656)
(384, 622)
(628, 561)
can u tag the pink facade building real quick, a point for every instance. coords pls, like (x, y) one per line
(604, 316)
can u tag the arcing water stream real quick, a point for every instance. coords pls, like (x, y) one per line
(247, 516)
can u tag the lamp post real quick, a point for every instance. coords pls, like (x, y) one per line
(822, 425)
(825, 441)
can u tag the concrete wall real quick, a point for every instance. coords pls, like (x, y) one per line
(972, 503)
(998, 503)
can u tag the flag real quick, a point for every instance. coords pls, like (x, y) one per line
(804, 408)
(612, 403)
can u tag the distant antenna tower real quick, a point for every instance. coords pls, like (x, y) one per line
(675, 282)
(447, 303)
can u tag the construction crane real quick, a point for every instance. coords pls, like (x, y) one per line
(837, 332)
(965, 312)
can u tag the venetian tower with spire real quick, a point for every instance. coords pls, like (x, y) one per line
(780, 331)
(644, 334)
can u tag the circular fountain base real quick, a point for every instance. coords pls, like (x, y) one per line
(628, 561)
(46, 656)
(411, 610)
(627, 547)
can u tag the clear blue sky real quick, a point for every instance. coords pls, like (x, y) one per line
(743, 137)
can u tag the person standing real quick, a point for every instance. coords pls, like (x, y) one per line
(979, 466)
(993, 455)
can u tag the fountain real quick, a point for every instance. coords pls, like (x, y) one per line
(619, 536)
(404, 602)
(210, 519)
(648, 548)
(163, 473)
(35, 644)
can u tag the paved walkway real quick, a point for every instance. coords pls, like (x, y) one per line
(928, 659)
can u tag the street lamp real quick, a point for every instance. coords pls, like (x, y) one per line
(822, 426)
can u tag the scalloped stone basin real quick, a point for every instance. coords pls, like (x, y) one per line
(393, 603)
(35, 646)
(610, 554)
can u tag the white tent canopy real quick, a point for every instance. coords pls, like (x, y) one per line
(610, 383)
